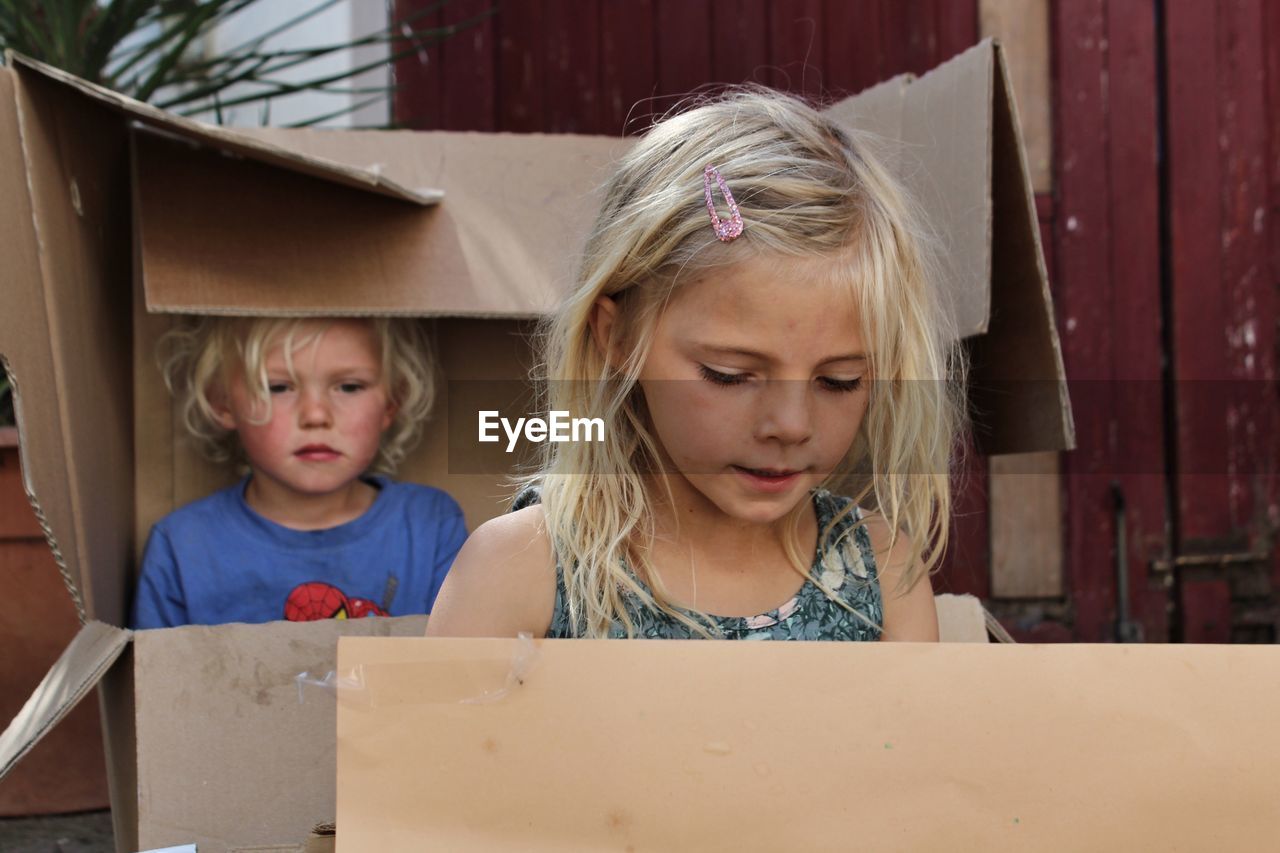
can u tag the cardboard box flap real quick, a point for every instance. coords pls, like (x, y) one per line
(85, 661)
(955, 141)
(936, 138)
(26, 349)
(219, 236)
(65, 326)
(368, 177)
(803, 746)
(1017, 380)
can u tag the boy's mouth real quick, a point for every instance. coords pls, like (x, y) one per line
(316, 453)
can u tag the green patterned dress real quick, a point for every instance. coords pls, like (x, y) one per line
(844, 562)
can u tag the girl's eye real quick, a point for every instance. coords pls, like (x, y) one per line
(351, 387)
(277, 387)
(842, 386)
(718, 378)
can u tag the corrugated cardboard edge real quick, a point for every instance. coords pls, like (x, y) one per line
(33, 355)
(1046, 295)
(1022, 350)
(370, 178)
(81, 666)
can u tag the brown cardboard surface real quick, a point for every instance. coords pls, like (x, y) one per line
(946, 125)
(1018, 382)
(227, 754)
(502, 245)
(685, 745)
(369, 177)
(26, 345)
(74, 674)
(76, 172)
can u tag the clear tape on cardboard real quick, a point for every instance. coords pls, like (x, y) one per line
(361, 686)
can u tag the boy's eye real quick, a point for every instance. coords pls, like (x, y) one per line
(718, 378)
(840, 385)
(352, 387)
(277, 387)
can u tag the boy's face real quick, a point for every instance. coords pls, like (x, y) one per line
(327, 416)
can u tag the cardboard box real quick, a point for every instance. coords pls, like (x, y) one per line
(115, 216)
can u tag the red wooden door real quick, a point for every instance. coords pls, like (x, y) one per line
(1168, 168)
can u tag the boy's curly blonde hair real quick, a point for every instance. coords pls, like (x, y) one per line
(198, 357)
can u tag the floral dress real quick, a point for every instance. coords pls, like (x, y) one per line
(844, 563)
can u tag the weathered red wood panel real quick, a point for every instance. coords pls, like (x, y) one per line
(683, 46)
(1272, 30)
(418, 97)
(1084, 295)
(1136, 308)
(627, 58)
(740, 42)
(571, 75)
(519, 70)
(797, 50)
(1199, 318)
(854, 58)
(466, 67)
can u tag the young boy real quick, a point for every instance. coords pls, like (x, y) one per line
(311, 407)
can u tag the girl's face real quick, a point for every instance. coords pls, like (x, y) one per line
(327, 416)
(756, 384)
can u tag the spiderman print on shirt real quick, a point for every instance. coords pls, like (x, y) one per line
(319, 600)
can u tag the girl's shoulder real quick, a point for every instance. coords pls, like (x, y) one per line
(909, 611)
(502, 582)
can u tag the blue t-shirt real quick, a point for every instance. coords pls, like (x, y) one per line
(216, 560)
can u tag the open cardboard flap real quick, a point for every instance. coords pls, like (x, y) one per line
(365, 177)
(474, 744)
(89, 656)
(953, 137)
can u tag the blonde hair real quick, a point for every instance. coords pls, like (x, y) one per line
(805, 187)
(198, 357)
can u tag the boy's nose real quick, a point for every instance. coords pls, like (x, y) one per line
(785, 412)
(313, 410)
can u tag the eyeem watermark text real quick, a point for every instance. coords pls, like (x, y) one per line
(558, 426)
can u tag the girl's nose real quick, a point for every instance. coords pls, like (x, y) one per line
(784, 413)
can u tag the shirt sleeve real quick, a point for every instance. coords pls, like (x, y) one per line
(159, 601)
(453, 532)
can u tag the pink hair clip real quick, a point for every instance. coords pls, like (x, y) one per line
(729, 229)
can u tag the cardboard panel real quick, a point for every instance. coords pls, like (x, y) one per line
(368, 178)
(229, 753)
(263, 241)
(696, 745)
(77, 175)
(74, 674)
(946, 130)
(26, 350)
(1018, 386)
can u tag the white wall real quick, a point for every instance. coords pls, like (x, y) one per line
(341, 22)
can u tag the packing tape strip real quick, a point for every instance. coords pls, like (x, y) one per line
(471, 682)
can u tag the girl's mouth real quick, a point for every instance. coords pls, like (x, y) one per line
(767, 479)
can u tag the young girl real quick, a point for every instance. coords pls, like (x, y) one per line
(310, 407)
(754, 323)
